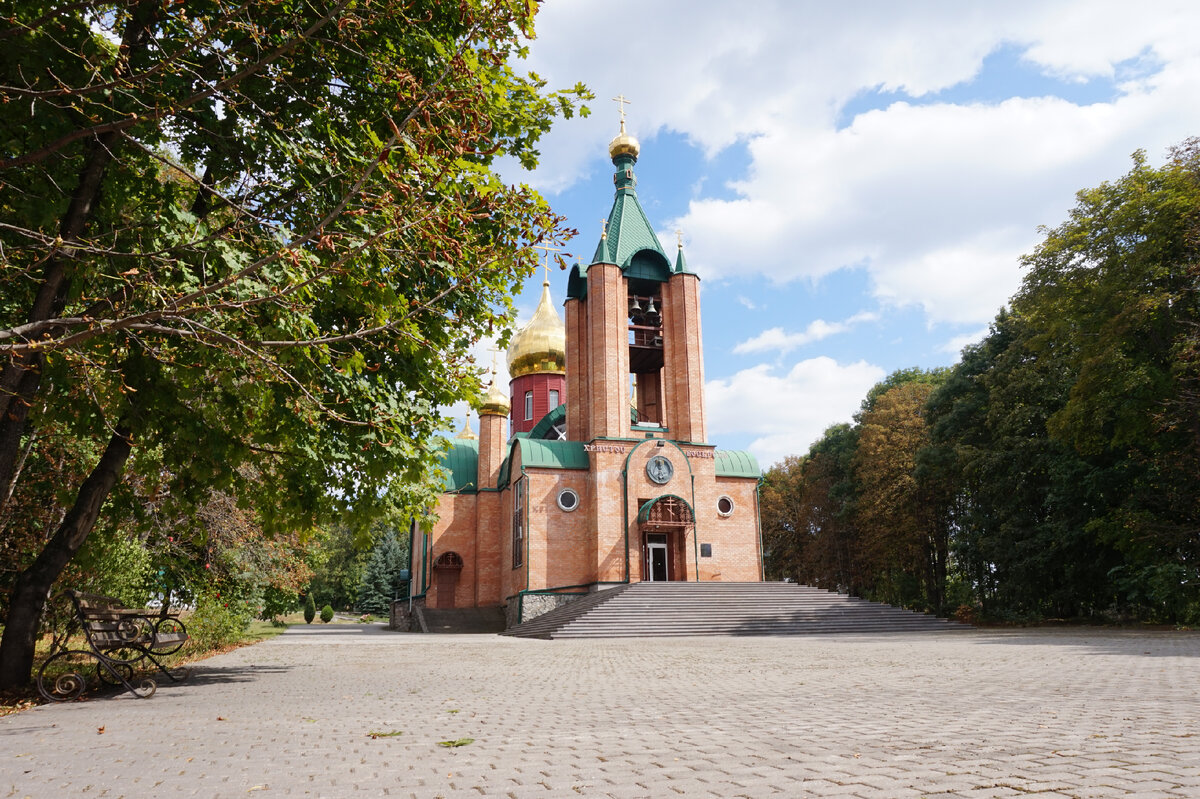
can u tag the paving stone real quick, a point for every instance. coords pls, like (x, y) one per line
(1076, 713)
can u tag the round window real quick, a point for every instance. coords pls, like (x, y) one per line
(725, 506)
(568, 500)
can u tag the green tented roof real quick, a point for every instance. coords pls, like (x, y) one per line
(544, 455)
(735, 463)
(629, 239)
(461, 467)
(542, 429)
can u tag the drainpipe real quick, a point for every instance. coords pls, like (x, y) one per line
(762, 568)
(625, 510)
(695, 529)
(525, 533)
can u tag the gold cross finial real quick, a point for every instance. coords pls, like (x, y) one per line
(621, 103)
(546, 249)
(604, 228)
(679, 237)
(495, 351)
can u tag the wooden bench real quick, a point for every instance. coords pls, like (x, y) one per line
(118, 639)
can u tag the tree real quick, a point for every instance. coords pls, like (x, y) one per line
(905, 537)
(381, 583)
(260, 235)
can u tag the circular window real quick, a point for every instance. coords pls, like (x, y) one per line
(725, 506)
(568, 500)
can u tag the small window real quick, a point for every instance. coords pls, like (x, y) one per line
(528, 405)
(706, 550)
(568, 500)
(725, 506)
(554, 403)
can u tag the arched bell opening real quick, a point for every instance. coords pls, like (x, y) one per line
(446, 570)
(665, 523)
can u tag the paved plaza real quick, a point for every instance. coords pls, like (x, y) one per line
(971, 714)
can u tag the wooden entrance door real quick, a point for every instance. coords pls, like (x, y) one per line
(446, 570)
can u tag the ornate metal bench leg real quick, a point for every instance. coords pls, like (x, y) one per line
(64, 686)
(145, 687)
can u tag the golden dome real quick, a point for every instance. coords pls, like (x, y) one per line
(466, 432)
(540, 346)
(496, 402)
(623, 144)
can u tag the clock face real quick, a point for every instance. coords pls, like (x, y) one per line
(659, 469)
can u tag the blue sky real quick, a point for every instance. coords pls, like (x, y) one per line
(856, 182)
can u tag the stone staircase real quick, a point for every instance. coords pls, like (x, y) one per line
(709, 608)
(461, 620)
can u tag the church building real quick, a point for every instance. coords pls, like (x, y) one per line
(594, 469)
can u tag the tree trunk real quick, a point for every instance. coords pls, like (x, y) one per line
(32, 586)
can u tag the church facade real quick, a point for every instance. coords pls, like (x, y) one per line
(594, 469)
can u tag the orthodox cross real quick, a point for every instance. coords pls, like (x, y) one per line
(548, 250)
(621, 103)
(495, 351)
(604, 228)
(679, 237)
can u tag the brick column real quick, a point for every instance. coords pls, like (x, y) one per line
(608, 352)
(683, 359)
(492, 441)
(577, 370)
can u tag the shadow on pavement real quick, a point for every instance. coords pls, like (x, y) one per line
(1138, 643)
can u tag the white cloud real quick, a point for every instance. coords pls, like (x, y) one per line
(935, 201)
(956, 344)
(776, 339)
(787, 412)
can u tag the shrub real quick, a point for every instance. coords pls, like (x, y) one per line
(310, 609)
(216, 621)
(327, 614)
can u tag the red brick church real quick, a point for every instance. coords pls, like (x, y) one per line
(595, 469)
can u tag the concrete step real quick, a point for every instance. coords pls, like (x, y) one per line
(687, 609)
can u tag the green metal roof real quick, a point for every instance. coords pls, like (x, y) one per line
(644, 511)
(735, 463)
(681, 263)
(629, 240)
(544, 455)
(541, 430)
(460, 464)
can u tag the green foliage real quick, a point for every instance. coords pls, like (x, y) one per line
(1052, 472)
(218, 620)
(263, 262)
(327, 614)
(310, 608)
(381, 582)
(338, 556)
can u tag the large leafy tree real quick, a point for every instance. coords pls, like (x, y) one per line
(258, 234)
(1073, 425)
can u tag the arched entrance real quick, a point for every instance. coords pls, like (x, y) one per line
(446, 569)
(664, 523)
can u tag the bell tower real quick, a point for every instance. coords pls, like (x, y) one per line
(635, 366)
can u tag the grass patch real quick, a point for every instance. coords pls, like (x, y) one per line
(456, 742)
(388, 734)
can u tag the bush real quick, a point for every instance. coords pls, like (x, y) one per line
(327, 614)
(217, 622)
(310, 609)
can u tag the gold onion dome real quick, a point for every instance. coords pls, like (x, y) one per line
(466, 432)
(496, 402)
(541, 346)
(623, 144)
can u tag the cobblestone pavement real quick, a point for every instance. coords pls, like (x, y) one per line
(972, 714)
